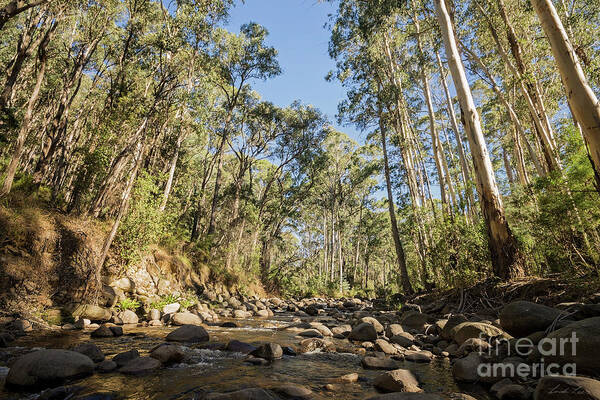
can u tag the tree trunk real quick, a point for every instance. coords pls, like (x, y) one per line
(400, 256)
(15, 7)
(582, 99)
(503, 247)
(25, 124)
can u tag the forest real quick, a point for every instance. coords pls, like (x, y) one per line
(480, 158)
(168, 233)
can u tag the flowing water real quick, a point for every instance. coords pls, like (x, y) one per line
(209, 370)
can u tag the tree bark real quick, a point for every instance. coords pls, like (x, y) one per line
(503, 247)
(400, 256)
(582, 99)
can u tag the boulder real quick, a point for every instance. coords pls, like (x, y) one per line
(403, 339)
(451, 323)
(188, 333)
(122, 359)
(584, 353)
(415, 320)
(239, 347)
(154, 315)
(47, 367)
(103, 331)
(292, 391)
(171, 308)
(92, 312)
(314, 344)
(407, 396)
(185, 318)
(398, 380)
(90, 350)
(374, 322)
(393, 329)
(168, 354)
(422, 356)
(385, 347)
(128, 317)
(341, 330)
(379, 363)
(466, 369)
(268, 351)
(567, 388)
(363, 332)
(107, 366)
(522, 318)
(479, 330)
(140, 366)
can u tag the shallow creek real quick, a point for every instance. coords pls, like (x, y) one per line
(208, 370)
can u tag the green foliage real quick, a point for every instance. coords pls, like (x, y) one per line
(145, 224)
(186, 300)
(128, 304)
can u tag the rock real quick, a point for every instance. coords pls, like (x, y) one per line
(453, 321)
(349, 378)
(116, 330)
(244, 394)
(82, 323)
(185, 318)
(313, 344)
(123, 358)
(379, 363)
(60, 393)
(155, 322)
(107, 366)
(341, 330)
(5, 339)
(168, 354)
(91, 312)
(312, 310)
(468, 330)
(398, 380)
(44, 367)
(102, 332)
(171, 308)
(522, 318)
(415, 320)
(241, 314)
(422, 356)
(239, 347)
(363, 332)
(374, 322)
(292, 391)
(403, 339)
(567, 388)
(262, 314)
(21, 325)
(125, 284)
(140, 366)
(507, 390)
(311, 333)
(407, 396)
(325, 331)
(154, 315)
(465, 369)
(128, 317)
(385, 346)
(473, 345)
(268, 351)
(393, 330)
(90, 350)
(586, 353)
(188, 333)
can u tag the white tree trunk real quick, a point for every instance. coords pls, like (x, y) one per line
(582, 99)
(501, 241)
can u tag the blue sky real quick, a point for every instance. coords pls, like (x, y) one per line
(296, 30)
